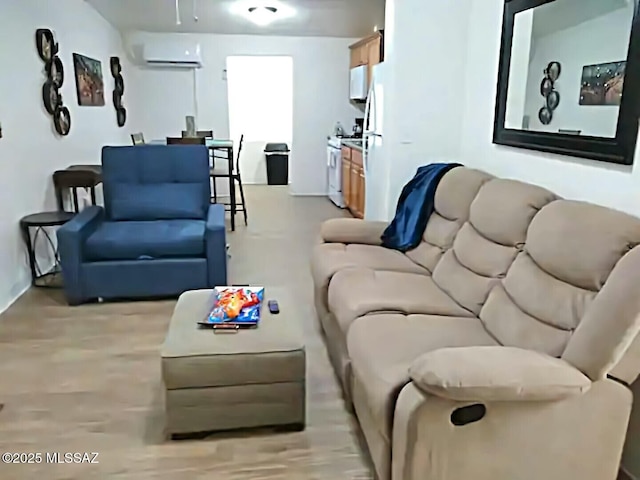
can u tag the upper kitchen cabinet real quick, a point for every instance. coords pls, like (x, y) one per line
(369, 51)
(359, 55)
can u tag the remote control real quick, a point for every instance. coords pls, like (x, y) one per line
(273, 307)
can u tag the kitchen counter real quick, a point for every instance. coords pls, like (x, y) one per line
(355, 144)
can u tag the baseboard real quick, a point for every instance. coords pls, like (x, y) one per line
(21, 286)
(15, 298)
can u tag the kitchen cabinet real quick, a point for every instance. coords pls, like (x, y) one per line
(353, 181)
(368, 51)
(361, 192)
(359, 56)
(374, 55)
(346, 176)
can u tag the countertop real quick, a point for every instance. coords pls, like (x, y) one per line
(355, 144)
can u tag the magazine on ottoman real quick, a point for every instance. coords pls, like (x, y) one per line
(234, 308)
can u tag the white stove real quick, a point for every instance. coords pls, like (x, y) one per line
(334, 171)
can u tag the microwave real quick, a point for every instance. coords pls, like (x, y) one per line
(358, 85)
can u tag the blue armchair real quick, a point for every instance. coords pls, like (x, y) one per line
(157, 235)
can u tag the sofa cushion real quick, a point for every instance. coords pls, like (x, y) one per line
(352, 230)
(579, 243)
(383, 347)
(359, 291)
(158, 201)
(489, 242)
(329, 258)
(571, 250)
(146, 240)
(453, 198)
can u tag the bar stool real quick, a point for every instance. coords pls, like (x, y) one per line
(74, 177)
(224, 172)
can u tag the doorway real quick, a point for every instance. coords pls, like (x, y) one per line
(260, 95)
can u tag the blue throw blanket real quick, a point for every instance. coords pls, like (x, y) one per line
(415, 206)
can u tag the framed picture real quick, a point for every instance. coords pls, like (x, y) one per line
(602, 84)
(89, 81)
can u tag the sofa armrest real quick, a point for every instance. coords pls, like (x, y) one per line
(216, 246)
(496, 374)
(71, 238)
(352, 230)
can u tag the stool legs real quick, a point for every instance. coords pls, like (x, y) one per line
(244, 202)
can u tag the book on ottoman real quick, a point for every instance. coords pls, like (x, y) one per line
(235, 307)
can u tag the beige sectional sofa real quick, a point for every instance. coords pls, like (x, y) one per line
(501, 347)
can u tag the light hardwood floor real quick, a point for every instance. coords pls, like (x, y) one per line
(87, 379)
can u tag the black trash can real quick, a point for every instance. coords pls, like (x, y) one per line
(277, 155)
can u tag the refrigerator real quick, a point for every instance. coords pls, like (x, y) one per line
(376, 162)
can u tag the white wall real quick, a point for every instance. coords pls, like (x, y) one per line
(601, 40)
(598, 182)
(427, 58)
(320, 95)
(30, 150)
(260, 93)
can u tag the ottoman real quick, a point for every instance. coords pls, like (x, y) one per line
(224, 381)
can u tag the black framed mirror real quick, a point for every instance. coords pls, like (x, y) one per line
(590, 52)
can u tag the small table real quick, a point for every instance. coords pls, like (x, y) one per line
(223, 381)
(40, 221)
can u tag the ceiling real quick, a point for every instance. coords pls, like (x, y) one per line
(563, 14)
(327, 18)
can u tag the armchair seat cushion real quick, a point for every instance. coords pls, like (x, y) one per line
(383, 347)
(146, 240)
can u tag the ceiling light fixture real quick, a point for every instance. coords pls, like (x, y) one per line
(262, 12)
(263, 16)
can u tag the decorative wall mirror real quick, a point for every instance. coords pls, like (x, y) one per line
(587, 53)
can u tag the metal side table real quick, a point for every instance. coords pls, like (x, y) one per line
(40, 222)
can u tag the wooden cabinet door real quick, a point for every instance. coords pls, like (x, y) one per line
(374, 50)
(374, 57)
(355, 191)
(346, 181)
(361, 192)
(356, 157)
(371, 60)
(355, 57)
(359, 55)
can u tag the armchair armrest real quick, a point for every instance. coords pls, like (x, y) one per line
(496, 374)
(71, 237)
(352, 230)
(216, 246)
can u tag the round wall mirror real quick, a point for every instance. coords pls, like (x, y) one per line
(50, 97)
(62, 120)
(553, 71)
(546, 86)
(121, 115)
(55, 71)
(553, 100)
(545, 116)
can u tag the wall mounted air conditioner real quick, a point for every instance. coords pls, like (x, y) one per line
(172, 54)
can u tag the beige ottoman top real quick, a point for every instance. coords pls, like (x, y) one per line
(198, 357)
